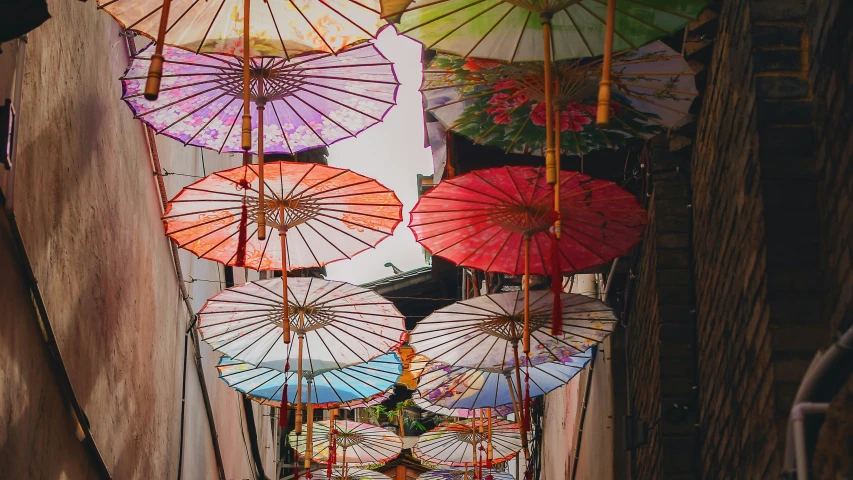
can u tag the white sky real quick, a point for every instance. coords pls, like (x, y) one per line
(392, 152)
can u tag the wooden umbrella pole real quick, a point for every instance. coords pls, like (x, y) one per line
(260, 101)
(474, 443)
(526, 336)
(518, 403)
(155, 68)
(603, 116)
(246, 128)
(557, 223)
(489, 450)
(550, 172)
(309, 446)
(285, 324)
(301, 337)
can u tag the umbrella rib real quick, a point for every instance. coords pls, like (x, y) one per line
(440, 17)
(347, 19)
(580, 33)
(331, 354)
(231, 129)
(489, 32)
(603, 22)
(341, 104)
(301, 195)
(277, 31)
(175, 102)
(351, 223)
(329, 87)
(196, 212)
(312, 26)
(462, 24)
(209, 27)
(329, 331)
(152, 12)
(333, 389)
(520, 35)
(322, 114)
(497, 253)
(438, 252)
(304, 122)
(283, 132)
(190, 113)
(327, 241)
(212, 118)
(310, 250)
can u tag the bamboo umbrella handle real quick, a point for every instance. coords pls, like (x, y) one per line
(260, 101)
(474, 443)
(309, 446)
(603, 116)
(489, 451)
(557, 223)
(155, 68)
(247, 116)
(298, 427)
(518, 406)
(526, 335)
(550, 172)
(285, 324)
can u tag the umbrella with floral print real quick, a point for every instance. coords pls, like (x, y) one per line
(456, 444)
(309, 101)
(463, 474)
(340, 473)
(503, 104)
(355, 443)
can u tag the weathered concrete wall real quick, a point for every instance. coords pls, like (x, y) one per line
(89, 211)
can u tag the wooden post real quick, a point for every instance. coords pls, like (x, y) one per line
(489, 450)
(603, 116)
(155, 68)
(260, 101)
(550, 173)
(301, 338)
(309, 445)
(526, 335)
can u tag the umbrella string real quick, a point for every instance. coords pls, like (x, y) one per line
(480, 460)
(333, 447)
(241, 234)
(282, 411)
(526, 397)
(296, 464)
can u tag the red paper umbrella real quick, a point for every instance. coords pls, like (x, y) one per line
(498, 220)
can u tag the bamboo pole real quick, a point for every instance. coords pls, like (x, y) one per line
(603, 116)
(515, 391)
(155, 68)
(489, 450)
(474, 443)
(301, 338)
(246, 128)
(260, 101)
(526, 335)
(550, 173)
(309, 445)
(285, 325)
(557, 222)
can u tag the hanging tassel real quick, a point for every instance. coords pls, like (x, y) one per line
(295, 465)
(527, 397)
(282, 412)
(556, 288)
(480, 461)
(333, 447)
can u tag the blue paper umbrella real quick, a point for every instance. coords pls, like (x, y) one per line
(359, 385)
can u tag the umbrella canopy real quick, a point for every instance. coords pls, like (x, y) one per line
(503, 104)
(357, 443)
(307, 102)
(461, 389)
(356, 386)
(511, 30)
(461, 474)
(328, 213)
(423, 404)
(339, 473)
(456, 444)
(279, 29)
(481, 332)
(342, 324)
(481, 219)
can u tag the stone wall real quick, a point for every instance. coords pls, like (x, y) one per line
(88, 208)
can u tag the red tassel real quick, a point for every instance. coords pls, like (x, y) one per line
(241, 233)
(480, 460)
(556, 288)
(295, 465)
(282, 412)
(333, 446)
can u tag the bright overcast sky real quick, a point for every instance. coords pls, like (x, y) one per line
(393, 153)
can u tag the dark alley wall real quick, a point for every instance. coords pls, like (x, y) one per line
(769, 185)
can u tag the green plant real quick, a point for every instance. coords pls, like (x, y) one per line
(395, 415)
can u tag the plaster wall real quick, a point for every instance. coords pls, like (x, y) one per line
(88, 208)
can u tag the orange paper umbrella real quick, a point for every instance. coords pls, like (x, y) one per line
(319, 214)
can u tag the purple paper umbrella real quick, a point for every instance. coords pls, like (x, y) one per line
(309, 101)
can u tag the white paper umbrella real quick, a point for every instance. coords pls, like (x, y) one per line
(356, 443)
(457, 444)
(482, 332)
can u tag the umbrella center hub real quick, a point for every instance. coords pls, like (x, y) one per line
(348, 439)
(312, 318)
(511, 327)
(471, 437)
(523, 219)
(287, 213)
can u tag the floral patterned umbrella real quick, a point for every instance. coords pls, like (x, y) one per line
(339, 473)
(355, 443)
(269, 29)
(462, 390)
(542, 30)
(337, 325)
(503, 104)
(310, 101)
(457, 444)
(426, 405)
(462, 474)
(355, 386)
(329, 213)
